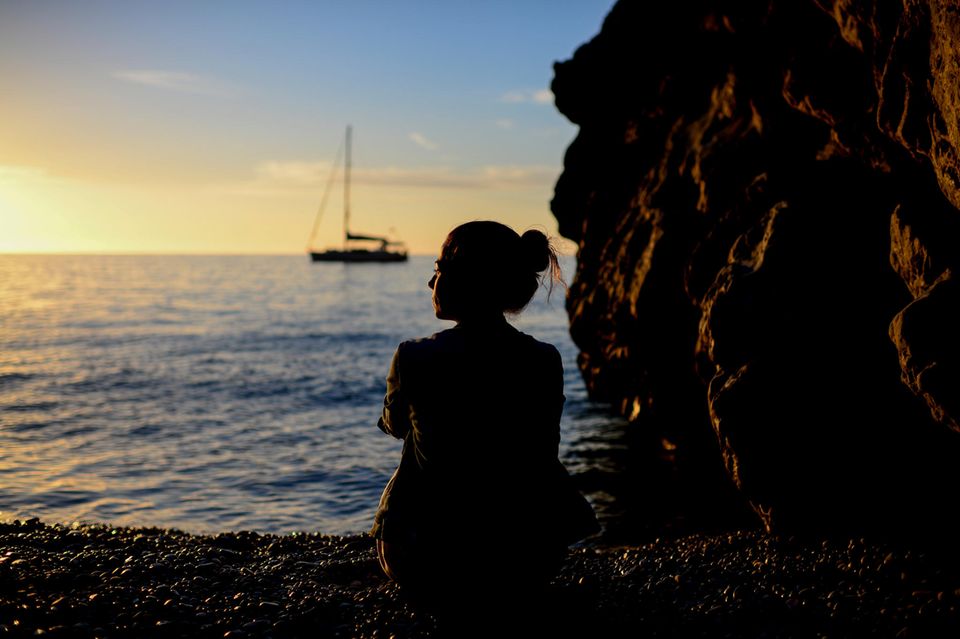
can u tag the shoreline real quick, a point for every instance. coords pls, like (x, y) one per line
(102, 581)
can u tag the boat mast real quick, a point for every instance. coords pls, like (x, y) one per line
(346, 190)
(326, 195)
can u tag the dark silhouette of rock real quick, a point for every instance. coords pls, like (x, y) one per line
(926, 336)
(923, 251)
(765, 200)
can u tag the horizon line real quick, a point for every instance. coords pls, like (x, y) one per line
(160, 254)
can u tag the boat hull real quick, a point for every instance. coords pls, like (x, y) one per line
(358, 255)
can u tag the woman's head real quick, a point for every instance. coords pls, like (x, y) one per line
(486, 268)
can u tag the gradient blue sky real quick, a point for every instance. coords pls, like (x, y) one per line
(209, 126)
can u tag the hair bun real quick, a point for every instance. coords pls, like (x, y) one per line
(535, 250)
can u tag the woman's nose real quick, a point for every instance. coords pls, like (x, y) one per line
(432, 281)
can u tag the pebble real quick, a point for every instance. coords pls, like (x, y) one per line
(243, 585)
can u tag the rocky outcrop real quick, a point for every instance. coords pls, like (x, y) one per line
(765, 197)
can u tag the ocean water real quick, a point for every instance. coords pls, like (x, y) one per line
(221, 393)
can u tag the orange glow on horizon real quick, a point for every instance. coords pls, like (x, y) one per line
(50, 215)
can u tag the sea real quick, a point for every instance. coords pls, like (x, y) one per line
(225, 393)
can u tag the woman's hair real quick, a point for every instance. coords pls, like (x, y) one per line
(495, 269)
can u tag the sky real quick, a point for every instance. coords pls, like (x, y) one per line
(212, 127)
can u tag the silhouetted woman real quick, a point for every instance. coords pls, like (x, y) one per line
(480, 498)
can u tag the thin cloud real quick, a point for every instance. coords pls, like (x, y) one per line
(277, 176)
(533, 96)
(293, 172)
(421, 140)
(504, 123)
(487, 177)
(543, 96)
(517, 175)
(173, 81)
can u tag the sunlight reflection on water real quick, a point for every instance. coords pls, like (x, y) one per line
(218, 393)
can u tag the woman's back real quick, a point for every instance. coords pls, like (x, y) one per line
(486, 395)
(478, 407)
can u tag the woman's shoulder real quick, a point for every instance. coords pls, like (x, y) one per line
(417, 356)
(453, 341)
(422, 345)
(545, 348)
(430, 340)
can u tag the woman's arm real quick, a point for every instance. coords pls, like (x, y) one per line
(395, 419)
(557, 399)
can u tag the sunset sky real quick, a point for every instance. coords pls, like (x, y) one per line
(210, 127)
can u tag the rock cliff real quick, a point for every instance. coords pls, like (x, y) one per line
(765, 197)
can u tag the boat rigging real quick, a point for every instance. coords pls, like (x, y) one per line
(353, 250)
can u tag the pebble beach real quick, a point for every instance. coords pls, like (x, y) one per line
(103, 581)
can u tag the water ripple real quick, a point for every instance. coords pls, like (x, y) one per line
(214, 393)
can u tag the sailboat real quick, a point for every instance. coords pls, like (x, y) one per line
(357, 247)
